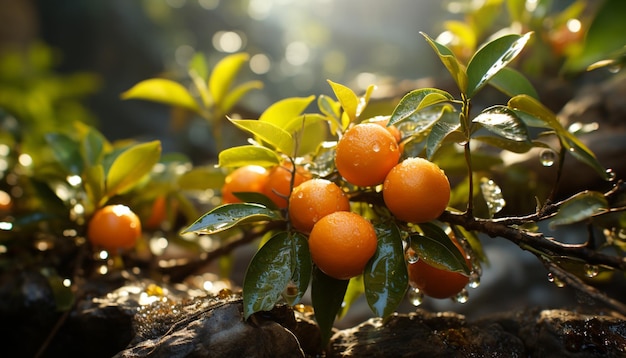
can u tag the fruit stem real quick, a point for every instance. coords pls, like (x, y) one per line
(466, 124)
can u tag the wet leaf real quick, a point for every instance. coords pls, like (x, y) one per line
(502, 143)
(504, 122)
(512, 83)
(437, 249)
(224, 74)
(256, 198)
(353, 292)
(412, 103)
(302, 266)
(347, 98)
(386, 277)
(131, 166)
(447, 57)
(492, 195)
(248, 154)
(448, 123)
(327, 295)
(539, 113)
(284, 111)
(272, 268)
(268, 133)
(491, 58)
(580, 207)
(227, 216)
(162, 91)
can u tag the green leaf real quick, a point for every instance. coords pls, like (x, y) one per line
(580, 207)
(437, 249)
(412, 103)
(328, 106)
(162, 91)
(347, 98)
(510, 145)
(309, 130)
(491, 58)
(224, 74)
(327, 295)
(236, 94)
(248, 154)
(364, 100)
(573, 145)
(449, 123)
(131, 166)
(270, 271)
(353, 292)
(386, 277)
(447, 57)
(201, 178)
(93, 147)
(302, 267)
(227, 216)
(66, 151)
(511, 82)
(256, 198)
(268, 133)
(199, 72)
(284, 111)
(503, 122)
(94, 184)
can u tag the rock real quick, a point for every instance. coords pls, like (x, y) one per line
(523, 333)
(218, 331)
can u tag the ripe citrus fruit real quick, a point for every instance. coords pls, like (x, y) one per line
(114, 227)
(278, 184)
(366, 153)
(436, 282)
(249, 178)
(416, 190)
(341, 243)
(393, 130)
(158, 213)
(314, 199)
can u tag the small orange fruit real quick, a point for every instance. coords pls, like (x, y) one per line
(393, 130)
(342, 243)
(416, 190)
(278, 184)
(158, 213)
(365, 154)
(249, 178)
(436, 282)
(314, 199)
(114, 227)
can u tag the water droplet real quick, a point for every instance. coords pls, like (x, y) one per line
(591, 270)
(474, 280)
(557, 281)
(615, 68)
(416, 297)
(610, 175)
(461, 297)
(412, 256)
(376, 148)
(493, 195)
(547, 157)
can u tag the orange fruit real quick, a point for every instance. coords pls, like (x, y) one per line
(365, 154)
(436, 282)
(416, 190)
(314, 199)
(278, 184)
(249, 178)
(158, 213)
(342, 243)
(114, 227)
(393, 130)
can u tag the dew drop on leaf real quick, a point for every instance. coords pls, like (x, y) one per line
(416, 297)
(547, 157)
(474, 280)
(591, 271)
(461, 297)
(493, 195)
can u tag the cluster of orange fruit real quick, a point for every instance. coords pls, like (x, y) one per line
(341, 242)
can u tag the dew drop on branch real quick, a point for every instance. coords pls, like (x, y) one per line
(416, 297)
(461, 297)
(591, 271)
